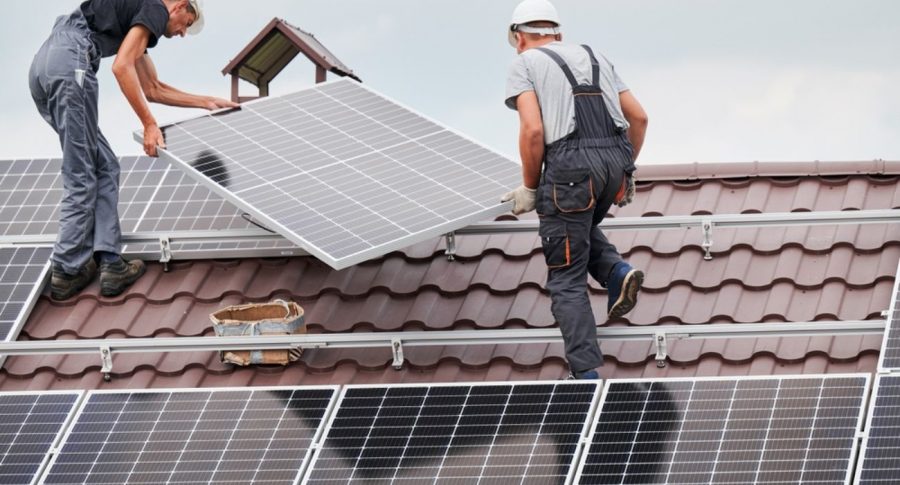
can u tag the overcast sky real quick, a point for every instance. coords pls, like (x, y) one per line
(722, 80)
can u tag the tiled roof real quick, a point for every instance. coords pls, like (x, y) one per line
(776, 274)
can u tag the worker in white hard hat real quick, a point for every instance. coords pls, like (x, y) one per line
(581, 130)
(63, 84)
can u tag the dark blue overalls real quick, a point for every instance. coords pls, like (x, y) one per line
(581, 174)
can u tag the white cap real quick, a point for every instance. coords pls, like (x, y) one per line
(533, 11)
(197, 26)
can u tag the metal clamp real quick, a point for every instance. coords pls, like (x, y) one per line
(451, 246)
(397, 349)
(662, 348)
(707, 225)
(165, 252)
(106, 363)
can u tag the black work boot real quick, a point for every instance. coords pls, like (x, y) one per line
(64, 286)
(115, 277)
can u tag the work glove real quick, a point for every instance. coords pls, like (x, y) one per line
(523, 198)
(626, 193)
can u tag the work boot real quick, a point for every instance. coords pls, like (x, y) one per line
(623, 287)
(590, 374)
(64, 286)
(116, 276)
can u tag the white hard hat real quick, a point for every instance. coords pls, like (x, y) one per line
(197, 26)
(532, 11)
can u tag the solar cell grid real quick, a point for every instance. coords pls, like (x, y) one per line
(880, 456)
(342, 171)
(30, 423)
(769, 430)
(890, 352)
(192, 436)
(493, 433)
(23, 270)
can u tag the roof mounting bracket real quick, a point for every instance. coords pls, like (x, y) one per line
(662, 348)
(165, 252)
(707, 225)
(106, 361)
(397, 349)
(451, 246)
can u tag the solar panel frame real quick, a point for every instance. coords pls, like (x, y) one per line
(579, 476)
(591, 411)
(64, 425)
(302, 242)
(889, 358)
(865, 446)
(37, 286)
(86, 400)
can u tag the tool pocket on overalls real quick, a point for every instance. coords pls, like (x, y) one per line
(555, 244)
(573, 190)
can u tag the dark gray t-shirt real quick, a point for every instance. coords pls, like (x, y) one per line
(535, 71)
(110, 21)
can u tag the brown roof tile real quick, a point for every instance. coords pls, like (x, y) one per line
(775, 274)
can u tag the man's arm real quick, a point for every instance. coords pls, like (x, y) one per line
(124, 69)
(160, 92)
(637, 119)
(531, 138)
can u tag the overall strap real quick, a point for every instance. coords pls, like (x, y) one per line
(595, 66)
(562, 64)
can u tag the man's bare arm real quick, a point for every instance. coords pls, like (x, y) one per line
(124, 69)
(531, 138)
(160, 92)
(637, 119)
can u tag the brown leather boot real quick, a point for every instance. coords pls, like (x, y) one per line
(64, 286)
(118, 276)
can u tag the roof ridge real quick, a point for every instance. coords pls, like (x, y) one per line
(714, 170)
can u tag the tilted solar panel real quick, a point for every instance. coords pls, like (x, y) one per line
(241, 435)
(30, 425)
(455, 433)
(879, 462)
(342, 171)
(768, 430)
(23, 272)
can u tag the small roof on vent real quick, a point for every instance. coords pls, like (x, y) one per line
(275, 47)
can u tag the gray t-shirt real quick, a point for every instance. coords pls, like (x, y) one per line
(535, 71)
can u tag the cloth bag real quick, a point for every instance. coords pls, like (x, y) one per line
(277, 317)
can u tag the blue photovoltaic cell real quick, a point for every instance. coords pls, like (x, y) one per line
(455, 434)
(30, 423)
(22, 270)
(234, 436)
(735, 431)
(880, 457)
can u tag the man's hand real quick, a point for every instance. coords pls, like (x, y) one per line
(626, 194)
(213, 103)
(523, 198)
(153, 138)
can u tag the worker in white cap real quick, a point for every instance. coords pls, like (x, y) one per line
(64, 87)
(581, 130)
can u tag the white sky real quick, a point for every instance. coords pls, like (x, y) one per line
(722, 80)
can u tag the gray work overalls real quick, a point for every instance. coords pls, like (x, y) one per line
(64, 87)
(581, 174)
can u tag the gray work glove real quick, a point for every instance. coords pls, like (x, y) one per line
(628, 193)
(523, 197)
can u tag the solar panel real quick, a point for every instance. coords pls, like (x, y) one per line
(726, 430)
(23, 272)
(480, 433)
(30, 426)
(880, 456)
(342, 171)
(249, 435)
(890, 351)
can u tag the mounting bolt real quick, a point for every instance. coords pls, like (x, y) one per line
(451, 246)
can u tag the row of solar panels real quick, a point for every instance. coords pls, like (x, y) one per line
(718, 430)
(336, 169)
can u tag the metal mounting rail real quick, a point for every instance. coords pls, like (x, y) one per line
(397, 340)
(719, 220)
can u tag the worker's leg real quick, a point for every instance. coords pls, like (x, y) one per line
(603, 255)
(564, 239)
(107, 232)
(67, 100)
